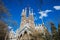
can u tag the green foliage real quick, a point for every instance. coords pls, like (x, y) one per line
(55, 34)
(3, 30)
(58, 31)
(4, 15)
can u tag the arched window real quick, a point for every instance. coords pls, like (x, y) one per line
(25, 32)
(21, 35)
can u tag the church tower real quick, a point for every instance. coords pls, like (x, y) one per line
(28, 30)
(23, 18)
(31, 18)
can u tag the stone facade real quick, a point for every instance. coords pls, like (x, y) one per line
(28, 30)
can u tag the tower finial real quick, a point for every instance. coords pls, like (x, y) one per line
(29, 10)
(32, 12)
(42, 21)
(25, 10)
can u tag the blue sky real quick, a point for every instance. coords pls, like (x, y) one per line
(15, 7)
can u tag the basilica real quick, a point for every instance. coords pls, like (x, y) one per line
(28, 30)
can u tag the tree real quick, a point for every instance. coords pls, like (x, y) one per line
(3, 30)
(53, 31)
(38, 36)
(3, 11)
(58, 31)
(4, 14)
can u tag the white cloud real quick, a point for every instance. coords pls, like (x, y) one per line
(44, 13)
(57, 7)
(12, 31)
(9, 27)
(48, 11)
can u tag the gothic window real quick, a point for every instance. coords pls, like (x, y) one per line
(25, 32)
(21, 35)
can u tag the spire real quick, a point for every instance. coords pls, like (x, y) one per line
(31, 18)
(31, 12)
(23, 19)
(23, 12)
